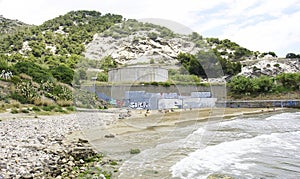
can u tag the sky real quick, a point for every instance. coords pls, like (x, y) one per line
(259, 25)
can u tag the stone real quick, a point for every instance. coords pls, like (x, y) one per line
(101, 176)
(70, 163)
(109, 136)
(80, 140)
(64, 160)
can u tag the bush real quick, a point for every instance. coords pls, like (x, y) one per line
(36, 109)
(63, 74)
(134, 151)
(48, 108)
(59, 109)
(43, 102)
(152, 61)
(71, 108)
(64, 103)
(24, 111)
(102, 77)
(185, 78)
(14, 111)
(37, 73)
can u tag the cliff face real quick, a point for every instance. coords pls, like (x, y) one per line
(136, 49)
(133, 42)
(270, 66)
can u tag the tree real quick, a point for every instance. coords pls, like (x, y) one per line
(243, 85)
(102, 77)
(291, 55)
(107, 63)
(290, 81)
(265, 84)
(63, 74)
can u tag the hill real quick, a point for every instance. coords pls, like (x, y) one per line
(48, 61)
(8, 26)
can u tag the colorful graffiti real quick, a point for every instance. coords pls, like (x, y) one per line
(138, 105)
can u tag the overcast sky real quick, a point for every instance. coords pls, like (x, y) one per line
(263, 25)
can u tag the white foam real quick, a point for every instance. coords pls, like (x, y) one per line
(284, 116)
(228, 155)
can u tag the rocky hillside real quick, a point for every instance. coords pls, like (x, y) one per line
(8, 26)
(270, 66)
(132, 42)
(91, 35)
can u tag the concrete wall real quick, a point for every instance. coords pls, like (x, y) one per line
(118, 91)
(199, 102)
(138, 74)
(260, 103)
(169, 103)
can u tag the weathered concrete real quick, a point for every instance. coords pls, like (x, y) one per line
(169, 103)
(118, 91)
(260, 103)
(138, 74)
(199, 102)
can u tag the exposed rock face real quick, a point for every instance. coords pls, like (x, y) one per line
(138, 48)
(270, 67)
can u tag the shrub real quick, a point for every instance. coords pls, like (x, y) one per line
(186, 78)
(152, 61)
(14, 111)
(24, 111)
(43, 102)
(277, 65)
(102, 77)
(71, 108)
(48, 108)
(35, 108)
(15, 104)
(59, 109)
(64, 103)
(134, 151)
(63, 74)
(37, 73)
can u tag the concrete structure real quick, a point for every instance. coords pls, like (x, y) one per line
(138, 74)
(292, 103)
(144, 100)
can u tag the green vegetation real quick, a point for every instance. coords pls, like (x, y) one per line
(135, 151)
(268, 53)
(131, 26)
(47, 61)
(207, 64)
(285, 82)
(42, 58)
(230, 49)
(63, 74)
(292, 55)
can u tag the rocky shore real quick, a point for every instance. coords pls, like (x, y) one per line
(37, 147)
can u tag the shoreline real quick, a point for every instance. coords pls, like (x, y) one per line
(28, 143)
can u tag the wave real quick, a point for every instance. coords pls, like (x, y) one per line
(234, 157)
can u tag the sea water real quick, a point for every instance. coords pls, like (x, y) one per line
(256, 146)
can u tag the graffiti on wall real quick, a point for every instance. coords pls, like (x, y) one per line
(138, 105)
